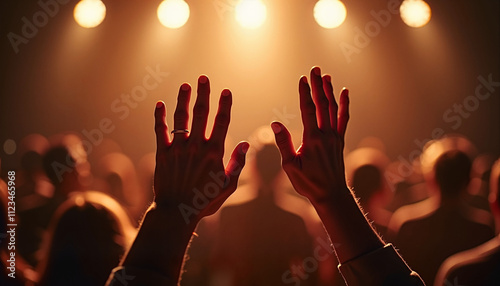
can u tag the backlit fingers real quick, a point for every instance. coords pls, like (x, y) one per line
(161, 128)
(201, 108)
(222, 118)
(307, 107)
(320, 100)
(181, 114)
(332, 103)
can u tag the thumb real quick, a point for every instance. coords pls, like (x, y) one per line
(236, 164)
(284, 141)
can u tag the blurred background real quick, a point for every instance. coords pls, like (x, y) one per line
(79, 84)
(407, 84)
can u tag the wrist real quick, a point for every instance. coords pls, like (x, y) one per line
(335, 200)
(349, 230)
(171, 216)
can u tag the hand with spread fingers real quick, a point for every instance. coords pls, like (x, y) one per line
(190, 182)
(190, 174)
(316, 169)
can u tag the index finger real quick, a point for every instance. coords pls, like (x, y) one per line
(161, 128)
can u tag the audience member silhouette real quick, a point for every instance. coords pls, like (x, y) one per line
(407, 183)
(32, 187)
(479, 266)
(258, 243)
(477, 195)
(421, 230)
(87, 236)
(365, 171)
(33, 191)
(119, 179)
(20, 267)
(61, 166)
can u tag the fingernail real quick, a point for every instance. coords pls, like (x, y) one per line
(159, 104)
(304, 79)
(226, 92)
(244, 147)
(185, 87)
(203, 79)
(276, 127)
(317, 71)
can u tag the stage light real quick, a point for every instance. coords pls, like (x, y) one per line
(89, 13)
(173, 13)
(251, 13)
(415, 13)
(329, 13)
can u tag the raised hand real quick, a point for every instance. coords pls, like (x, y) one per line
(190, 183)
(190, 174)
(316, 169)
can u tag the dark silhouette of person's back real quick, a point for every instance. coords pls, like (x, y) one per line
(426, 237)
(481, 265)
(87, 236)
(259, 243)
(60, 164)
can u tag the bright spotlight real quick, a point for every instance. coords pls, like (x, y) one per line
(89, 13)
(329, 13)
(251, 13)
(173, 13)
(415, 13)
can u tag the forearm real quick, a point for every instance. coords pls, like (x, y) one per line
(161, 243)
(351, 233)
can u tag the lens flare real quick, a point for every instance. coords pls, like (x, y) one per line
(329, 13)
(251, 14)
(415, 13)
(173, 13)
(89, 13)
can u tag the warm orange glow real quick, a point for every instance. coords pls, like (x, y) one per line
(173, 13)
(251, 13)
(89, 13)
(329, 13)
(415, 13)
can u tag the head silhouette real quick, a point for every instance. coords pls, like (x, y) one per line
(87, 236)
(452, 172)
(60, 166)
(268, 163)
(366, 181)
